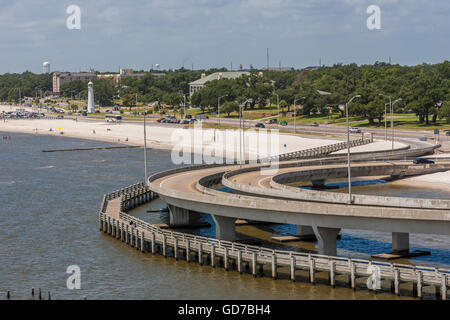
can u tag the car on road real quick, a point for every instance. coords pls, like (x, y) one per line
(185, 121)
(447, 133)
(160, 120)
(271, 121)
(283, 123)
(193, 121)
(355, 130)
(423, 161)
(260, 125)
(314, 124)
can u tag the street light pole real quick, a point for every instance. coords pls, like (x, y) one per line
(349, 174)
(392, 120)
(218, 106)
(278, 107)
(385, 121)
(295, 113)
(145, 143)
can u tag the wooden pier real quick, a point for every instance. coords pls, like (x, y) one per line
(114, 220)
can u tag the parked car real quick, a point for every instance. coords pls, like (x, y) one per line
(447, 133)
(185, 121)
(271, 121)
(188, 116)
(84, 114)
(423, 160)
(260, 125)
(160, 120)
(283, 123)
(314, 124)
(355, 130)
(193, 121)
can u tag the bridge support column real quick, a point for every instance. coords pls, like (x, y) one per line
(306, 233)
(319, 184)
(178, 216)
(327, 240)
(400, 242)
(224, 227)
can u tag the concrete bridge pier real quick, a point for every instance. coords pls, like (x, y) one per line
(306, 233)
(319, 184)
(178, 216)
(326, 238)
(225, 227)
(400, 242)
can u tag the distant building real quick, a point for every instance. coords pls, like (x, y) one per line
(280, 69)
(46, 67)
(123, 73)
(200, 83)
(59, 78)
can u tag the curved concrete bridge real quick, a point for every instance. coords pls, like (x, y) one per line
(262, 196)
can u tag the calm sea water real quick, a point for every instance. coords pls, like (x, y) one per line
(48, 219)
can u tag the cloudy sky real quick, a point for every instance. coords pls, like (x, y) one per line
(213, 33)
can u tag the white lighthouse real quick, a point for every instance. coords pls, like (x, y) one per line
(91, 104)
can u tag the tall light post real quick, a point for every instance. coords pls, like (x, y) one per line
(184, 104)
(350, 198)
(392, 120)
(145, 144)
(278, 107)
(295, 113)
(218, 106)
(385, 121)
(392, 116)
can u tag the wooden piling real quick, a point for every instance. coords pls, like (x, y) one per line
(188, 251)
(274, 265)
(312, 275)
(225, 259)
(292, 267)
(332, 273)
(153, 242)
(353, 275)
(397, 281)
(175, 247)
(39, 294)
(113, 227)
(8, 295)
(142, 241)
(32, 292)
(100, 222)
(164, 245)
(444, 287)
(118, 232)
(127, 241)
(200, 253)
(239, 261)
(213, 255)
(419, 284)
(254, 264)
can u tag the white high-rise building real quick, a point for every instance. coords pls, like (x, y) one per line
(91, 104)
(46, 67)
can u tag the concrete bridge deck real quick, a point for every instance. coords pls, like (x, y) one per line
(115, 221)
(263, 199)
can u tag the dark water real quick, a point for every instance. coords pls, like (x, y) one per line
(48, 219)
